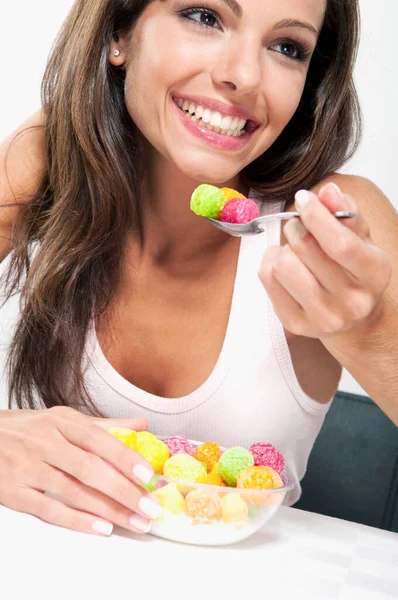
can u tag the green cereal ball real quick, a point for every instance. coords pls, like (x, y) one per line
(207, 201)
(232, 462)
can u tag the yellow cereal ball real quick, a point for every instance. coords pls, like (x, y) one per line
(213, 478)
(171, 498)
(155, 451)
(127, 436)
(234, 508)
(229, 194)
(185, 468)
(208, 453)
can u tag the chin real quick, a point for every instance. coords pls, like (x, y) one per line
(203, 172)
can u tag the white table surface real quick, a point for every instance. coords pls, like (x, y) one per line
(296, 555)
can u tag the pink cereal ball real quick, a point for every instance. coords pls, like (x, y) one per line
(266, 455)
(239, 210)
(178, 444)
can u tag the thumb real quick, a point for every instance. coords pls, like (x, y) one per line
(335, 200)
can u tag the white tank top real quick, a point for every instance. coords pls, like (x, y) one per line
(252, 394)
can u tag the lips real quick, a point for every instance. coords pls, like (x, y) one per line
(222, 107)
(210, 136)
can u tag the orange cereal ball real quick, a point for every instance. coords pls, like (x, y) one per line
(214, 478)
(208, 453)
(127, 436)
(260, 478)
(203, 506)
(234, 508)
(230, 194)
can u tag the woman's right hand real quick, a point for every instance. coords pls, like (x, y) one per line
(65, 468)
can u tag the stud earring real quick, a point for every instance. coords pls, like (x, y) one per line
(116, 52)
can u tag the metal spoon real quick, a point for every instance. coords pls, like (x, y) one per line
(253, 227)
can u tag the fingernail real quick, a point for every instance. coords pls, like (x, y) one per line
(102, 527)
(336, 187)
(149, 507)
(302, 198)
(299, 228)
(140, 523)
(142, 473)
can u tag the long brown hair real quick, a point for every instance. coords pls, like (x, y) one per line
(77, 226)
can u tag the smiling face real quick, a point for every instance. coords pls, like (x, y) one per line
(212, 88)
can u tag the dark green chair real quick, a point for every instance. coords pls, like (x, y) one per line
(353, 468)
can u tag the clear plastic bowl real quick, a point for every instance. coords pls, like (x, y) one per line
(225, 515)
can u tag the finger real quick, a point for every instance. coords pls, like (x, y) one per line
(94, 472)
(335, 200)
(93, 439)
(330, 274)
(287, 309)
(79, 496)
(55, 512)
(136, 424)
(338, 241)
(302, 286)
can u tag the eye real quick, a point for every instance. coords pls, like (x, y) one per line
(201, 16)
(294, 50)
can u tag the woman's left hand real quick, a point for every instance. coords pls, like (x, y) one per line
(329, 278)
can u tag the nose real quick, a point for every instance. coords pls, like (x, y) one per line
(238, 67)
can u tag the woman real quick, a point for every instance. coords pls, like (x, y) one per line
(132, 305)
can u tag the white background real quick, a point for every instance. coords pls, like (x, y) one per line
(29, 28)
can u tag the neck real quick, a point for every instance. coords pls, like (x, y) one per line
(170, 229)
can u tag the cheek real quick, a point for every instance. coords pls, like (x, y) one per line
(283, 97)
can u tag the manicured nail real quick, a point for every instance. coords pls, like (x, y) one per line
(140, 523)
(142, 473)
(336, 187)
(302, 198)
(149, 507)
(102, 527)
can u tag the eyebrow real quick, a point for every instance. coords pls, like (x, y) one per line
(293, 23)
(237, 10)
(235, 7)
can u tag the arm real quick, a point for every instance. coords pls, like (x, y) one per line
(22, 172)
(370, 351)
(337, 281)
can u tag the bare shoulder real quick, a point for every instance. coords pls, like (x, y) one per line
(22, 172)
(374, 205)
(22, 161)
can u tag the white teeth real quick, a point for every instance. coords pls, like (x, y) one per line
(213, 120)
(206, 116)
(199, 112)
(234, 124)
(226, 123)
(216, 119)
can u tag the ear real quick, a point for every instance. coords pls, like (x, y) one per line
(117, 51)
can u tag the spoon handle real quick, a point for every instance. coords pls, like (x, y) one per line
(283, 216)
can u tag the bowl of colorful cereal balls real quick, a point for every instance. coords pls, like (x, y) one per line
(210, 495)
